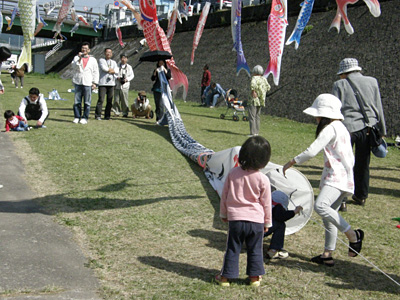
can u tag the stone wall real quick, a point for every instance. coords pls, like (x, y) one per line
(305, 72)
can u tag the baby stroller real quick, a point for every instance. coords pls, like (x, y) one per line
(233, 103)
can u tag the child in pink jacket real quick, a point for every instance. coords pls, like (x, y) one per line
(246, 205)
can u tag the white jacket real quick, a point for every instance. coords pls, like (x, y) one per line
(85, 76)
(127, 71)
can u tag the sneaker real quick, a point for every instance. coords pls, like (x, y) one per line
(98, 118)
(277, 254)
(221, 280)
(255, 281)
(83, 121)
(43, 126)
(76, 121)
(1, 186)
(16, 87)
(211, 106)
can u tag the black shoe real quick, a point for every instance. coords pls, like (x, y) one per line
(343, 207)
(359, 201)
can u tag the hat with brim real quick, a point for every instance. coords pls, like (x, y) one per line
(348, 65)
(325, 106)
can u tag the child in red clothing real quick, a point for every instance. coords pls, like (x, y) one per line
(15, 123)
(246, 205)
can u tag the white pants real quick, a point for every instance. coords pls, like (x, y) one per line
(327, 206)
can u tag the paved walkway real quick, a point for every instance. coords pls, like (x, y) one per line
(36, 253)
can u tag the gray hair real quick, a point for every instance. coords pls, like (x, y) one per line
(258, 70)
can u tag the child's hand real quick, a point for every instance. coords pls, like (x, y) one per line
(298, 209)
(225, 220)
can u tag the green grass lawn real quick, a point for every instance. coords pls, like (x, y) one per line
(147, 218)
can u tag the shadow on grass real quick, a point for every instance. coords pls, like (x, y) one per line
(354, 276)
(183, 269)
(224, 132)
(54, 204)
(199, 115)
(216, 239)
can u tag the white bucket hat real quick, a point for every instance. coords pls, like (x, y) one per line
(281, 198)
(348, 65)
(327, 106)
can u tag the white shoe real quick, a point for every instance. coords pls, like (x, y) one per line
(1, 186)
(83, 121)
(277, 254)
(76, 121)
(211, 106)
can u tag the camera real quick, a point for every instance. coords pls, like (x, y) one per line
(122, 79)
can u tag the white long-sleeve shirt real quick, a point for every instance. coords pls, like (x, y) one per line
(87, 75)
(40, 101)
(334, 139)
(127, 71)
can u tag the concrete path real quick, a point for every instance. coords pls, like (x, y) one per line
(36, 253)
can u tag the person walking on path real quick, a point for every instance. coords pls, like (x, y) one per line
(337, 176)
(354, 121)
(205, 82)
(246, 205)
(121, 94)
(259, 88)
(86, 77)
(108, 73)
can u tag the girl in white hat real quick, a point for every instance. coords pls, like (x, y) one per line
(337, 177)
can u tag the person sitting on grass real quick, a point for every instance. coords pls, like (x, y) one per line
(246, 205)
(34, 107)
(212, 93)
(141, 107)
(280, 214)
(15, 123)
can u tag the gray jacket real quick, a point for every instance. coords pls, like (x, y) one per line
(369, 90)
(107, 79)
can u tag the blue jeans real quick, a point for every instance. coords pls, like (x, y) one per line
(21, 126)
(214, 98)
(86, 93)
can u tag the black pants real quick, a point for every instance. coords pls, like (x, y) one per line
(33, 112)
(159, 105)
(203, 101)
(109, 91)
(362, 160)
(278, 234)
